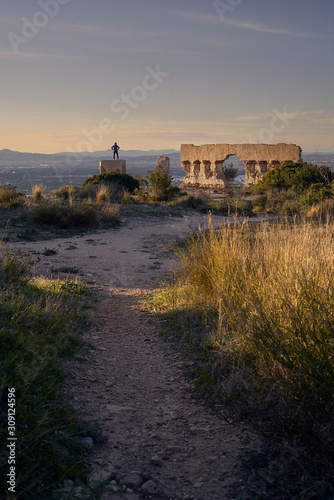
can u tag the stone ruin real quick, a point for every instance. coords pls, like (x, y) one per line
(164, 163)
(203, 164)
(118, 166)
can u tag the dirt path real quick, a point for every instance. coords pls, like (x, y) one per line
(161, 442)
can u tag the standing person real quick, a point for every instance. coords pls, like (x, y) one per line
(115, 149)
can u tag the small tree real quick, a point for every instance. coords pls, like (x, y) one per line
(160, 186)
(230, 172)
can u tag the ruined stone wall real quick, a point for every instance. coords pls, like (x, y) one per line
(203, 164)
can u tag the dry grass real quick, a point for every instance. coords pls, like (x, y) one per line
(102, 193)
(110, 215)
(323, 211)
(126, 198)
(260, 299)
(253, 307)
(37, 192)
(10, 198)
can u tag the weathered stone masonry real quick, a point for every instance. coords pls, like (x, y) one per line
(203, 164)
(118, 166)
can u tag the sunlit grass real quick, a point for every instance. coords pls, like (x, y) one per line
(102, 193)
(259, 300)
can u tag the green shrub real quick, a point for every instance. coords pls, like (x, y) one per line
(295, 176)
(160, 186)
(278, 203)
(316, 194)
(65, 216)
(123, 180)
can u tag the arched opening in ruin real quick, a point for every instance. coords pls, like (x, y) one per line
(234, 170)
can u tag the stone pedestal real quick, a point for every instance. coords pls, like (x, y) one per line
(118, 166)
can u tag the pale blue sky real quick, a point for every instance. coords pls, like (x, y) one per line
(228, 75)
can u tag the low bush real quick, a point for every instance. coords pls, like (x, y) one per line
(160, 187)
(10, 198)
(296, 176)
(65, 216)
(292, 188)
(193, 202)
(123, 180)
(278, 202)
(316, 194)
(64, 192)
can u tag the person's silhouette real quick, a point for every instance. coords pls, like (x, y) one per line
(115, 149)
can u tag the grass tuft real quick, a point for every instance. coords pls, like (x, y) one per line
(102, 193)
(37, 193)
(110, 215)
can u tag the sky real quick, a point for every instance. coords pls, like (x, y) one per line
(78, 75)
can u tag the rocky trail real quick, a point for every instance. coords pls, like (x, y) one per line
(162, 443)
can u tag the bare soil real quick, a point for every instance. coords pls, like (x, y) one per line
(162, 443)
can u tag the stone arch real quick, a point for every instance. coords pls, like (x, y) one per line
(205, 162)
(197, 167)
(273, 164)
(186, 166)
(219, 169)
(207, 169)
(239, 164)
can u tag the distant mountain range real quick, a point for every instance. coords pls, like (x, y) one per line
(8, 155)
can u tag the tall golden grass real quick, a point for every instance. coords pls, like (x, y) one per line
(260, 299)
(37, 192)
(102, 193)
